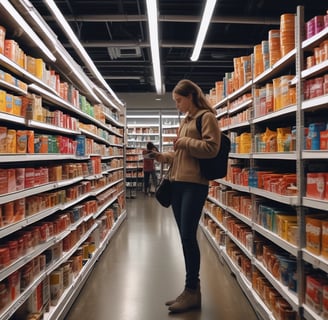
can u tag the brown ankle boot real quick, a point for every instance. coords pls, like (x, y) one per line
(170, 302)
(189, 299)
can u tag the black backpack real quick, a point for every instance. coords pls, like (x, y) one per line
(215, 168)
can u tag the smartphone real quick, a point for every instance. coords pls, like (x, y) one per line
(150, 155)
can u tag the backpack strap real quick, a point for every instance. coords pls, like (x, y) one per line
(199, 123)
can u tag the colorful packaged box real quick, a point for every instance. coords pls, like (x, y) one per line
(17, 106)
(283, 221)
(313, 137)
(324, 313)
(11, 179)
(56, 286)
(14, 285)
(21, 141)
(9, 103)
(314, 292)
(2, 39)
(315, 185)
(324, 140)
(10, 49)
(292, 233)
(35, 302)
(3, 101)
(8, 213)
(19, 207)
(81, 145)
(324, 239)
(3, 140)
(11, 141)
(3, 181)
(313, 232)
(29, 178)
(30, 141)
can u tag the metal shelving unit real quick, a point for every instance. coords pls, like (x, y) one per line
(103, 162)
(300, 159)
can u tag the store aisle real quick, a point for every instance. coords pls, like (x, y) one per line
(143, 267)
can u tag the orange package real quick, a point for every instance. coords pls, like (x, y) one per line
(3, 140)
(313, 231)
(19, 206)
(8, 213)
(324, 239)
(30, 141)
(11, 141)
(324, 140)
(21, 141)
(314, 292)
(260, 181)
(43, 144)
(3, 181)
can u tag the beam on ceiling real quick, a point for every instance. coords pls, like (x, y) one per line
(170, 18)
(163, 44)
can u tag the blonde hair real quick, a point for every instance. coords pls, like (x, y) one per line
(186, 87)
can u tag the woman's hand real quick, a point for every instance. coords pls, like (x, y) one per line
(155, 155)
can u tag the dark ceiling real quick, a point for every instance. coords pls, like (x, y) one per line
(115, 35)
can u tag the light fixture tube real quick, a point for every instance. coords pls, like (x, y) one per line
(35, 15)
(71, 35)
(206, 19)
(154, 45)
(27, 29)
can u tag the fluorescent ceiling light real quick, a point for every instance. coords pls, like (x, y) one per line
(37, 18)
(154, 45)
(71, 35)
(58, 47)
(27, 29)
(206, 19)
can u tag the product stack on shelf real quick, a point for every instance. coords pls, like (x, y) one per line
(268, 218)
(62, 192)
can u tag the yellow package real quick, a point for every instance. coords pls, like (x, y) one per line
(9, 103)
(11, 141)
(3, 140)
(3, 101)
(17, 106)
(283, 224)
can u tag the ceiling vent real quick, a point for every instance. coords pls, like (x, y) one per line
(124, 52)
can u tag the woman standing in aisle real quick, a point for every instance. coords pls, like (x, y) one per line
(149, 169)
(189, 187)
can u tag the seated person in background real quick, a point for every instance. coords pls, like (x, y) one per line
(149, 167)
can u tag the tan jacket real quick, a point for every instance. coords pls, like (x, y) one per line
(191, 147)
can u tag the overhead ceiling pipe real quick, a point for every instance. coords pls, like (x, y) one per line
(163, 44)
(170, 18)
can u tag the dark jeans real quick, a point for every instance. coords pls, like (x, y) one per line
(187, 202)
(147, 175)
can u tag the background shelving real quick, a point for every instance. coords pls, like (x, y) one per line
(134, 171)
(157, 126)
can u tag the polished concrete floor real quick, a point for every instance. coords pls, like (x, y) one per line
(143, 267)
